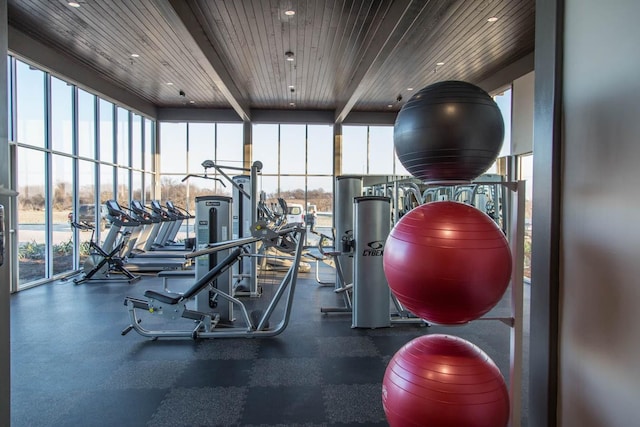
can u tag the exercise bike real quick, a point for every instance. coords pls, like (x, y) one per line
(100, 264)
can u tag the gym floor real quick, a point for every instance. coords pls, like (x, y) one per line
(72, 367)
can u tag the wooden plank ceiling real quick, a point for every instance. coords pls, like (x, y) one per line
(348, 55)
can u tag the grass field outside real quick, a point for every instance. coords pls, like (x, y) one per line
(37, 217)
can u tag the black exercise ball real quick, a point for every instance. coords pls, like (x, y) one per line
(450, 130)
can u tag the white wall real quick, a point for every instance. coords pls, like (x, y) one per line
(522, 97)
(599, 366)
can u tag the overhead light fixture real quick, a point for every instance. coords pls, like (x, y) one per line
(192, 102)
(289, 55)
(290, 12)
(169, 84)
(292, 104)
(73, 4)
(409, 88)
(439, 64)
(390, 106)
(135, 55)
(292, 87)
(492, 19)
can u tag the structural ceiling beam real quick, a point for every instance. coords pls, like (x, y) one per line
(396, 23)
(181, 14)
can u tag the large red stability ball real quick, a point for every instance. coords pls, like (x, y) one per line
(447, 262)
(450, 130)
(444, 381)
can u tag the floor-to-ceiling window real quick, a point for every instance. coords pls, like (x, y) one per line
(368, 150)
(525, 168)
(297, 167)
(31, 214)
(69, 143)
(86, 125)
(123, 147)
(524, 171)
(31, 108)
(320, 175)
(149, 166)
(61, 202)
(292, 164)
(355, 155)
(86, 198)
(137, 175)
(87, 195)
(229, 144)
(265, 148)
(173, 162)
(183, 149)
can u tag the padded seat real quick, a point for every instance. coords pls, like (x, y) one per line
(165, 297)
(173, 297)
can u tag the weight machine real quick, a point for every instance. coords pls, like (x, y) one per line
(172, 306)
(367, 297)
(245, 213)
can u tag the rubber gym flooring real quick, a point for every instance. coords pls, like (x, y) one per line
(72, 367)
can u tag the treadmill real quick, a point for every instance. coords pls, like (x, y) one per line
(142, 233)
(181, 216)
(137, 263)
(148, 221)
(169, 221)
(160, 218)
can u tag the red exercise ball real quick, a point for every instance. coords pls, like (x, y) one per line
(444, 381)
(447, 262)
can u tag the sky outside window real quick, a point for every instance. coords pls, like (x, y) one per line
(202, 145)
(61, 116)
(230, 144)
(354, 150)
(381, 152)
(173, 148)
(320, 150)
(123, 137)
(30, 105)
(292, 149)
(148, 145)
(86, 124)
(136, 141)
(265, 147)
(106, 131)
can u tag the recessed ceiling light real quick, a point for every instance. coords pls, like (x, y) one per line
(390, 106)
(135, 55)
(73, 4)
(439, 64)
(292, 104)
(292, 87)
(290, 12)
(409, 88)
(289, 55)
(492, 19)
(192, 102)
(169, 84)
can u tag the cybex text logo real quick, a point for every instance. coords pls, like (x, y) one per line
(375, 248)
